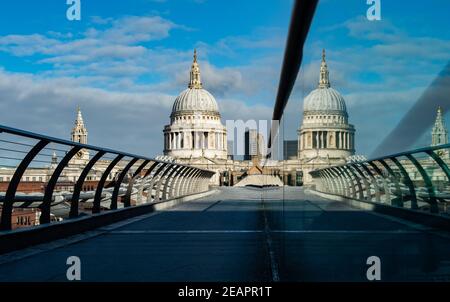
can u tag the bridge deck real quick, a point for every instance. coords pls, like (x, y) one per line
(243, 234)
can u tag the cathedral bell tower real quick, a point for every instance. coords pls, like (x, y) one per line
(79, 134)
(439, 134)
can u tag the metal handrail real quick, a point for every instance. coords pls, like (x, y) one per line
(389, 177)
(165, 186)
(420, 150)
(60, 141)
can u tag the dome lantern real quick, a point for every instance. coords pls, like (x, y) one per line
(324, 81)
(195, 81)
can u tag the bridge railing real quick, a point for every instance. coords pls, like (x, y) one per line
(44, 179)
(418, 180)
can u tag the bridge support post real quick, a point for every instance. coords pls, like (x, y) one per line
(101, 184)
(156, 176)
(118, 183)
(428, 183)
(127, 197)
(191, 183)
(387, 192)
(349, 189)
(79, 185)
(367, 187)
(175, 189)
(144, 180)
(356, 183)
(47, 201)
(169, 180)
(333, 180)
(409, 183)
(398, 200)
(326, 181)
(339, 179)
(373, 182)
(440, 163)
(322, 185)
(187, 182)
(197, 182)
(10, 195)
(159, 184)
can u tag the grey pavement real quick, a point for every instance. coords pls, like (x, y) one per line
(244, 234)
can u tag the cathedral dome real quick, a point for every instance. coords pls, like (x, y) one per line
(195, 98)
(325, 99)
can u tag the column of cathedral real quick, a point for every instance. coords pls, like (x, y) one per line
(183, 140)
(195, 140)
(327, 140)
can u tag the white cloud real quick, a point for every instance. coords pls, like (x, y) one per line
(133, 29)
(117, 41)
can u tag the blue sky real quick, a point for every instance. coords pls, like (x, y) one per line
(125, 62)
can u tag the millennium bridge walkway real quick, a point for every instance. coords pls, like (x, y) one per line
(243, 234)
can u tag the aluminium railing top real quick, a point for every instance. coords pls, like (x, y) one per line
(168, 179)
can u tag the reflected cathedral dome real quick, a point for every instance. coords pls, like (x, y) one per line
(325, 133)
(325, 99)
